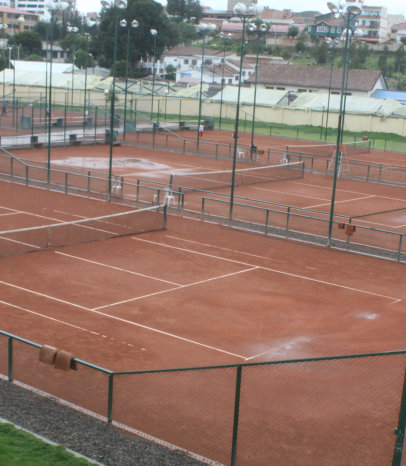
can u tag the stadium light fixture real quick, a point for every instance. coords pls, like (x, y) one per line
(245, 15)
(204, 29)
(133, 25)
(225, 38)
(349, 12)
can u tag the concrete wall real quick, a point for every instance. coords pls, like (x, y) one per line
(189, 107)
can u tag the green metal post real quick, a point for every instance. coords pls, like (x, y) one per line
(110, 399)
(10, 359)
(339, 137)
(200, 92)
(49, 103)
(237, 116)
(112, 102)
(400, 430)
(236, 415)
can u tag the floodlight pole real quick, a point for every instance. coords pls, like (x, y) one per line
(154, 33)
(349, 19)
(85, 97)
(334, 42)
(244, 18)
(203, 29)
(49, 102)
(134, 24)
(112, 102)
(229, 36)
(258, 29)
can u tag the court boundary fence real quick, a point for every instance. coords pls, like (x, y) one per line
(229, 407)
(267, 218)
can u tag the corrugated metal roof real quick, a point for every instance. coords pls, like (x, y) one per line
(394, 95)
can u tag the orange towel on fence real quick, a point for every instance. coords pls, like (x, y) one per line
(63, 360)
(47, 354)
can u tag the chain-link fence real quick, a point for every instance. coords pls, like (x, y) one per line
(341, 410)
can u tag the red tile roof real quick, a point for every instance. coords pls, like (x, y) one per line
(314, 77)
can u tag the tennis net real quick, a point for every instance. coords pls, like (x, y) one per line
(358, 147)
(133, 222)
(245, 176)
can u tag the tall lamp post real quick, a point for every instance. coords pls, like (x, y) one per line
(53, 7)
(253, 28)
(349, 12)
(154, 33)
(245, 14)
(204, 29)
(89, 23)
(73, 30)
(116, 5)
(134, 25)
(224, 37)
(330, 42)
(20, 20)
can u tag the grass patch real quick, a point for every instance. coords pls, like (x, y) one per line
(19, 448)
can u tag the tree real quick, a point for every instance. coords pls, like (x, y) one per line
(383, 63)
(358, 53)
(150, 15)
(293, 31)
(400, 60)
(34, 57)
(30, 42)
(170, 72)
(185, 9)
(300, 46)
(320, 52)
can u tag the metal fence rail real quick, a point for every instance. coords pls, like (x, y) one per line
(268, 218)
(316, 411)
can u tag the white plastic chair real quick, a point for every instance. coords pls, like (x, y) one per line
(169, 198)
(116, 186)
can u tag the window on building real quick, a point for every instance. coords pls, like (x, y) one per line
(194, 62)
(280, 88)
(186, 62)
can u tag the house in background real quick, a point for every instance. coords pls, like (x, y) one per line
(300, 79)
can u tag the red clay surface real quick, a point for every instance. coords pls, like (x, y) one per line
(200, 294)
(194, 294)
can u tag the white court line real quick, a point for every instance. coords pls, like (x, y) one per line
(218, 247)
(49, 318)
(116, 268)
(289, 194)
(192, 252)
(9, 213)
(33, 215)
(178, 288)
(341, 202)
(42, 295)
(135, 324)
(278, 271)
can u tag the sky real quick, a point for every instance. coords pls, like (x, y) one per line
(393, 6)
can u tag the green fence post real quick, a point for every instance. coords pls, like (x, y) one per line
(110, 399)
(10, 359)
(400, 430)
(236, 415)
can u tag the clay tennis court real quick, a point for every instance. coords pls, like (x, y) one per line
(198, 294)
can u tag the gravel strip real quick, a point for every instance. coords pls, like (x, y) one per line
(81, 433)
